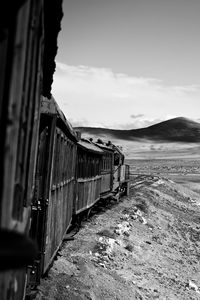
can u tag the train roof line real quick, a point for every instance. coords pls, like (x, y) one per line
(88, 145)
(50, 107)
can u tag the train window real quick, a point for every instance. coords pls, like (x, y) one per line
(116, 159)
(54, 164)
(88, 158)
(89, 166)
(98, 166)
(78, 165)
(72, 160)
(106, 162)
(86, 165)
(59, 159)
(81, 166)
(65, 159)
(68, 167)
(56, 159)
(93, 166)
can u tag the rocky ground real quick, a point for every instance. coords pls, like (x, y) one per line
(147, 246)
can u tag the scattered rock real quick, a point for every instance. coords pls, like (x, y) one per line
(125, 217)
(193, 286)
(122, 228)
(129, 247)
(148, 242)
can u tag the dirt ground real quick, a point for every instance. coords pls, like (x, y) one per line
(146, 246)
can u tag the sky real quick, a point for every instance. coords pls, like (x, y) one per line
(128, 64)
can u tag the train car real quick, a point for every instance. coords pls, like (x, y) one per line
(115, 174)
(106, 169)
(88, 186)
(54, 187)
(121, 171)
(28, 28)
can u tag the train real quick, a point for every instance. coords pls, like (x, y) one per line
(72, 175)
(49, 175)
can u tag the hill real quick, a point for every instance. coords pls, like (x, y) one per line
(173, 130)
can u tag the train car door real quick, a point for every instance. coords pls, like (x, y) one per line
(40, 202)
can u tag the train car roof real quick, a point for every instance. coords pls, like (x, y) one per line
(89, 146)
(110, 147)
(102, 146)
(50, 107)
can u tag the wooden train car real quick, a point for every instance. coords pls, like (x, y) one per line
(121, 171)
(54, 188)
(88, 186)
(115, 174)
(106, 168)
(27, 32)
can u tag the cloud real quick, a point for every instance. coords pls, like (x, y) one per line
(99, 97)
(136, 116)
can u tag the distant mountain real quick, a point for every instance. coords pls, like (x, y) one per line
(173, 130)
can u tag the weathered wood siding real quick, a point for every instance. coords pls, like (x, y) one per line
(61, 196)
(88, 192)
(21, 50)
(23, 98)
(59, 218)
